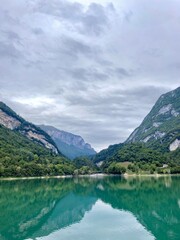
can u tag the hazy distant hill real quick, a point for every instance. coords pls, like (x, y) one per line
(69, 144)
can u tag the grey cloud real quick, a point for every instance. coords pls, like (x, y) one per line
(37, 31)
(146, 95)
(5, 15)
(128, 15)
(12, 36)
(9, 51)
(98, 67)
(153, 52)
(91, 74)
(64, 9)
(75, 47)
(121, 72)
(124, 99)
(90, 21)
(95, 19)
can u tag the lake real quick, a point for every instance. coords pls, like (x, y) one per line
(108, 208)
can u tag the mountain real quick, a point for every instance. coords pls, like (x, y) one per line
(70, 145)
(156, 140)
(26, 150)
(10, 120)
(162, 125)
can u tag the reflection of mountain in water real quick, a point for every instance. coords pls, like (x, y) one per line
(154, 202)
(68, 211)
(37, 208)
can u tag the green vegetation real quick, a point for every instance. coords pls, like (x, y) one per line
(116, 168)
(140, 159)
(106, 153)
(84, 166)
(20, 156)
(83, 161)
(137, 153)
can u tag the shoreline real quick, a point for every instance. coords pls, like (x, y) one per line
(96, 175)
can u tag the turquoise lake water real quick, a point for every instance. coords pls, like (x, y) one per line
(109, 208)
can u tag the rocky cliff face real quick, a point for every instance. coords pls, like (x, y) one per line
(9, 119)
(162, 124)
(174, 145)
(69, 144)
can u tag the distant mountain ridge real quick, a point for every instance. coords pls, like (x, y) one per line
(12, 121)
(69, 144)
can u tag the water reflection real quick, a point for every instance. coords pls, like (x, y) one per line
(103, 222)
(58, 208)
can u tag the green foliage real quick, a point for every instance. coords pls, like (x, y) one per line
(20, 156)
(132, 152)
(84, 166)
(105, 154)
(116, 168)
(142, 159)
(83, 161)
(85, 170)
(174, 156)
(133, 168)
(137, 152)
(175, 170)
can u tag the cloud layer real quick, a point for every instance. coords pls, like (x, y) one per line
(94, 68)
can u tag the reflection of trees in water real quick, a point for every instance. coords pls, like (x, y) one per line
(27, 204)
(38, 207)
(154, 202)
(30, 207)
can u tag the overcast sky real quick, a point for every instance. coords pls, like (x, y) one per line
(93, 68)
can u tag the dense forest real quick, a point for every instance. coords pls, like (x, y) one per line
(20, 156)
(137, 158)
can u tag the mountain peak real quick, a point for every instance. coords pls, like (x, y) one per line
(69, 144)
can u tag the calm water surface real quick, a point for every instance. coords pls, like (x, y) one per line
(109, 208)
